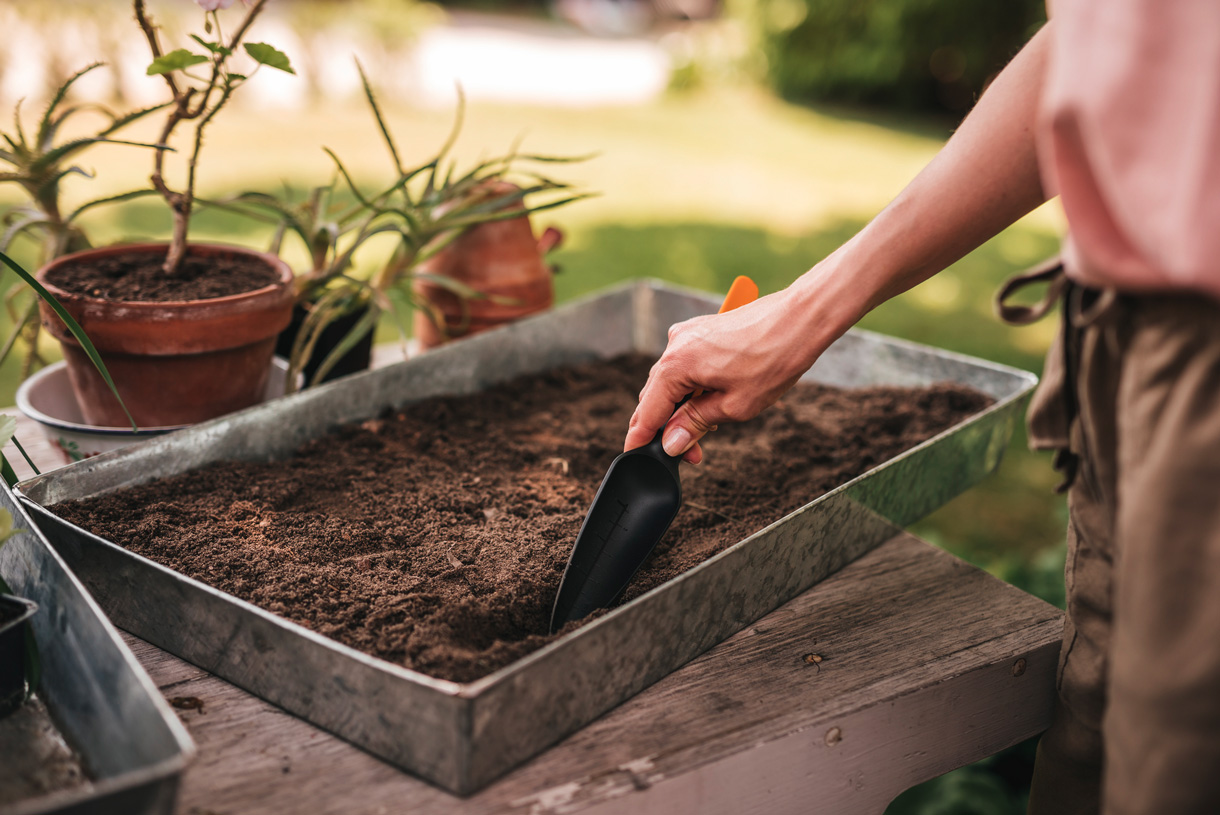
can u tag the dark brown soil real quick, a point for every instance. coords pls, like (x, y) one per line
(436, 537)
(140, 277)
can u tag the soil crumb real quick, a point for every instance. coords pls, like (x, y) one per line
(435, 536)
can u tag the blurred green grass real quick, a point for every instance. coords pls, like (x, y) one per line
(694, 189)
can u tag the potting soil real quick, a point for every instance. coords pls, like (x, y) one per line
(435, 536)
(138, 276)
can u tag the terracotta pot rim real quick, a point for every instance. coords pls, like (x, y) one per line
(274, 261)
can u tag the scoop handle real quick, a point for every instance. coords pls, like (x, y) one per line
(743, 291)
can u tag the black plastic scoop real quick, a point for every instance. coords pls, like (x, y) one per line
(635, 504)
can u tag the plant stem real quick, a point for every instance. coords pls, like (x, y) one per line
(182, 202)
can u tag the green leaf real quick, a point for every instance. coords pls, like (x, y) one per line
(113, 199)
(126, 119)
(74, 327)
(174, 61)
(231, 77)
(214, 47)
(67, 149)
(381, 123)
(269, 55)
(60, 93)
(457, 287)
(26, 455)
(18, 225)
(10, 478)
(8, 428)
(366, 324)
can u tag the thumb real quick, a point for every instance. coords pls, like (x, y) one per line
(691, 422)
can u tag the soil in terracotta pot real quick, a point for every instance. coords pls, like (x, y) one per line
(435, 537)
(140, 277)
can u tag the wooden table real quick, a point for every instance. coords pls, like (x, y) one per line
(905, 664)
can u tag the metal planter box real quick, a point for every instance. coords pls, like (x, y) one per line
(462, 736)
(99, 697)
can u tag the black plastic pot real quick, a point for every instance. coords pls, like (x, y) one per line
(354, 361)
(14, 611)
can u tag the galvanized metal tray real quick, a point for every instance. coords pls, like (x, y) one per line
(98, 696)
(462, 736)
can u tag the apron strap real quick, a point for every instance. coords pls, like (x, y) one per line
(1049, 271)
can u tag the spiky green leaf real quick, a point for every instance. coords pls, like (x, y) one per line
(381, 123)
(60, 93)
(135, 115)
(113, 199)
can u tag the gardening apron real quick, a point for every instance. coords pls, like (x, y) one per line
(1130, 402)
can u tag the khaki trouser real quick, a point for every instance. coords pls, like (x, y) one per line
(1131, 399)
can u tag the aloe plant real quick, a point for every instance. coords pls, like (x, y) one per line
(38, 163)
(424, 210)
(429, 205)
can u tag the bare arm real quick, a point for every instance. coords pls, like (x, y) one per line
(984, 179)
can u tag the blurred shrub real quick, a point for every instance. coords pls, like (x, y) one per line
(906, 54)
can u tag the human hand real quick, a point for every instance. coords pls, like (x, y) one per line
(743, 360)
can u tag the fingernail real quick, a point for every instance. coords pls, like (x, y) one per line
(676, 441)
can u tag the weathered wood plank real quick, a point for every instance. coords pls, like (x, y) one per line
(896, 669)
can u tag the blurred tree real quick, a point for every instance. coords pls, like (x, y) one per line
(907, 54)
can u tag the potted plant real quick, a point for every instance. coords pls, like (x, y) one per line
(501, 260)
(188, 330)
(436, 221)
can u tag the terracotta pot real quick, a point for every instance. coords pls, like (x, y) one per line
(176, 362)
(501, 259)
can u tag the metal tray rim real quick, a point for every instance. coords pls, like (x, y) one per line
(57, 801)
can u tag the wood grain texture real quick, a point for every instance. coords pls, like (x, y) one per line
(901, 666)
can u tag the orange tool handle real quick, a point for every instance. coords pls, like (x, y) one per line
(742, 291)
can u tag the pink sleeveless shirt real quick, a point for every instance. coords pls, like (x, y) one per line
(1129, 138)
